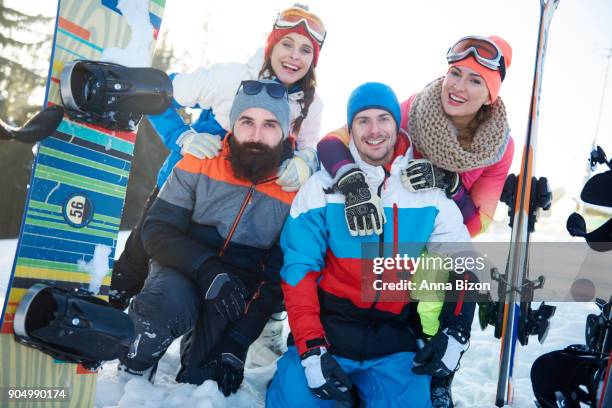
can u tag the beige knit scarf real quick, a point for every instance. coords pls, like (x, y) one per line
(435, 137)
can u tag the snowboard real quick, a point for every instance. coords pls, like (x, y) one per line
(76, 197)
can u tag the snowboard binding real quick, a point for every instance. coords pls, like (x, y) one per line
(597, 191)
(112, 95)
(587, 382)
(598, 156)
(598, 329)
(72, 326)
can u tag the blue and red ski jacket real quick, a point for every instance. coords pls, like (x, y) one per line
(324, 265)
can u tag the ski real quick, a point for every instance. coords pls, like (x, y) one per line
(518, 289)
(75, 200)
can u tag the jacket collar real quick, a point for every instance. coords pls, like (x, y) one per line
(402, 150)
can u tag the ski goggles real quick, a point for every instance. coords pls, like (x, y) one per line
(484, 51)
(275, 90)
(295, 16)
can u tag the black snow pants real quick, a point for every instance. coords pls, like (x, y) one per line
(132, 267)
(171, 305)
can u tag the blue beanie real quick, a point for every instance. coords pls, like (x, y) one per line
(372, 95)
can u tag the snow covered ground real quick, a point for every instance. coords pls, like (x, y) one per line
(474, 385)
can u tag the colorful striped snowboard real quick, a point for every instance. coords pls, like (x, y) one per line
(76, 196)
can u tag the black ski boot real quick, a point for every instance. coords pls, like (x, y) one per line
(440, 388)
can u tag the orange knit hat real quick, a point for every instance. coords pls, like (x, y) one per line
(491, 77)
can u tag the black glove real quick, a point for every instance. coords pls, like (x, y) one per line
(363, 209)
(227, 364)
(119, 299)
(326, 379)
(440, 356)
(223, 290)
(40, 126)
(422, 175)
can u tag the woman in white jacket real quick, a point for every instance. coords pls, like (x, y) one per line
(290, 57)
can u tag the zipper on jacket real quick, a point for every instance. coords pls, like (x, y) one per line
(381, 238)
(245, 202)
(395, 229)
(381, 253)
(255, 296)
(396, 240)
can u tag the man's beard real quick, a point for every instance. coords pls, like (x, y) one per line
(254, 161)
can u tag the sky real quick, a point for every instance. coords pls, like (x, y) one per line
(404, 45)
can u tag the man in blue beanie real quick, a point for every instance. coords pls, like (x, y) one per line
(351, 335)
(374, 105)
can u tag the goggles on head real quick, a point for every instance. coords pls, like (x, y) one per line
(275, 90)
(295, 16)
(484, 51)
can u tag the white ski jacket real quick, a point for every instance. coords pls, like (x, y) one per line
(214, 88)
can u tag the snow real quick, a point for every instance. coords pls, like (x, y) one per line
(476, 381)
(7, 252)
(474, 385)
(97, 267)
(119, 390)
(136, 53)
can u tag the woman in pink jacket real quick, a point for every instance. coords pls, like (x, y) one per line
(459, 131)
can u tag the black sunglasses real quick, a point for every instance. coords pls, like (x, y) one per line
(275, 90)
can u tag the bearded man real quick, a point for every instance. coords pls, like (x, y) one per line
(213, 236)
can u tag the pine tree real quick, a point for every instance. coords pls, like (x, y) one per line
(25, 47)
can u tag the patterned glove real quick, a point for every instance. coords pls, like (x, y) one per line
(294, 172)
(422, 175)
(227, 363)
(440, 356)
(200, 145)
(363, 209)
(326, 379)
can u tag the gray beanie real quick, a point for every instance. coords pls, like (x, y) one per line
(278, 107)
